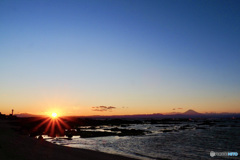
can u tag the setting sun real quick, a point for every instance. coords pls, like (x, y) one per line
(54, 115)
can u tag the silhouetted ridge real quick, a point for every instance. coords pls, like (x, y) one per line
(191, 112)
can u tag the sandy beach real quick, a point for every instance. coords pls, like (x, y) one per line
(14, 146)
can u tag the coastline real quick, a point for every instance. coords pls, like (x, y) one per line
(14, 146)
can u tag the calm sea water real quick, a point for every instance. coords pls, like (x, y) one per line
(186, 140)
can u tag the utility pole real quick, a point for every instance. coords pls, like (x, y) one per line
(12, 112)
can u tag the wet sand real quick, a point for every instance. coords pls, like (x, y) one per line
(14, 146)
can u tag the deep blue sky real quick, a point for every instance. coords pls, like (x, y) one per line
(146, 56)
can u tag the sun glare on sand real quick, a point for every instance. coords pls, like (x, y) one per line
(54, 115)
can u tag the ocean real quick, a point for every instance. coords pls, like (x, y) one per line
(180, 140)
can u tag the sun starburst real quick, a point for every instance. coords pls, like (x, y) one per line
(54, 115)
(52, 125)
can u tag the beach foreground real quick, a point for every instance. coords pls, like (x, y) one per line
(14, 146)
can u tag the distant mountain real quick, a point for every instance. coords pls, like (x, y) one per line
(136, 116)
(188, 114)
(191, 112)
(173, 113)
(26, 115)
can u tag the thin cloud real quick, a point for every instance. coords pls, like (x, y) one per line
(103, 108)
(176, 108)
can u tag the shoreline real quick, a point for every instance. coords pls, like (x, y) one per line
(14, 146)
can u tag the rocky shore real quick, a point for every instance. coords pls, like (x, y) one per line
(16, 146)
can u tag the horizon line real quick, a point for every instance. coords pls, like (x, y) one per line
(163, 114)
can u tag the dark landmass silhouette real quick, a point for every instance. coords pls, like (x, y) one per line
(188, 114)
(27, 115)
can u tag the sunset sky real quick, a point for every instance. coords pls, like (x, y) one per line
(128, 56)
